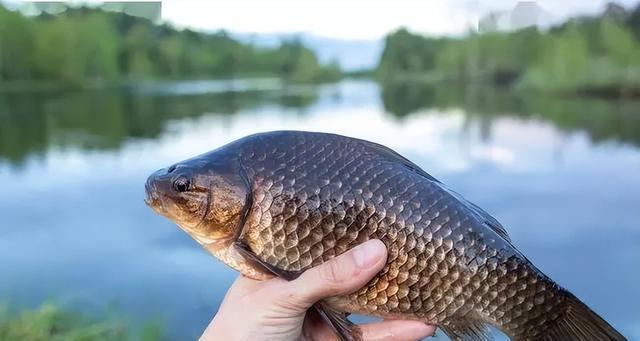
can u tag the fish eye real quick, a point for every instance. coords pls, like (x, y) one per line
(181, 184)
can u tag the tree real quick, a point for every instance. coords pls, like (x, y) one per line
(79, 44)
(16, 46)
(619, 43)
(137, 50)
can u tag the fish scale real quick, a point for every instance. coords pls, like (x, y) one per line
(313, 196)
(381, 190)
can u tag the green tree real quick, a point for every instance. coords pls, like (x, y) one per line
(58, 55)
(16, 46)
(72, 49)
(137, 50)
(99, 42)
(619, 43)
(563, 65)
(79, 44)
(407, 53)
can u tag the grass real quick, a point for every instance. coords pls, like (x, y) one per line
(51, 323)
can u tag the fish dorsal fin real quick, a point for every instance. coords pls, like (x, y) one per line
(480, 214)
(499, 229)
(394, 156)
(467, 331)
(490, 221)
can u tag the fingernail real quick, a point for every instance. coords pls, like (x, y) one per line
(367, 254)
(428, 330)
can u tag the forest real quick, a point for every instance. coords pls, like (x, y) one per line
(87, 44)
(597, 55)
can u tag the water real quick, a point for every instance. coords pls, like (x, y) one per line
(562, 174)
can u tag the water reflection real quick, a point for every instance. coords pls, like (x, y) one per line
(75, 228)
(601, 119)
(32, 123)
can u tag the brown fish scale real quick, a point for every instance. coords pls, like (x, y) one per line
(313, 199)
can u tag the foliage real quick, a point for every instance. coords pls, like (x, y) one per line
(50, 323)
(406, 53)
(598, 54)
(16, 45)
(87, 44)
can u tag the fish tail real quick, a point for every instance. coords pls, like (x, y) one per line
(579, 322)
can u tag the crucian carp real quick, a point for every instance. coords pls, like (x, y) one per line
(278, 203)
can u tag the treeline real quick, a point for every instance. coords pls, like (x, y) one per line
(595, 55)
(88, 44)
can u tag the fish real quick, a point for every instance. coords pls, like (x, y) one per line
(275, 204)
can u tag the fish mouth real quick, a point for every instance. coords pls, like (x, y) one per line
(152, 197)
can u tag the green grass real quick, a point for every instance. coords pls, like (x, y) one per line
(51, 323)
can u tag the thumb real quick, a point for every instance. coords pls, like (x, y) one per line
(340, 275)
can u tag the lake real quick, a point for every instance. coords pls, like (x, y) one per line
(562, 174)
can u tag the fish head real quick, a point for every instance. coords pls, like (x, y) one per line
(207, 196)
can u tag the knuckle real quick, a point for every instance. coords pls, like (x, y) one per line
(288, 302)
(333, 273)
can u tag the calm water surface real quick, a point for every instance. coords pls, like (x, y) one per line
(562, 174)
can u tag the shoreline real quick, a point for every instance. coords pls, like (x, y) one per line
(611, 93)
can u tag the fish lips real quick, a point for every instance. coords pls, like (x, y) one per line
(157, 183)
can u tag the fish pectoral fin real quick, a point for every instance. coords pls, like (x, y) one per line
(337, 320)
(344, 329)
(252, 258)
(467, 330)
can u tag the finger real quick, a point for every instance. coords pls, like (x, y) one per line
(396, 330)
(341, 275)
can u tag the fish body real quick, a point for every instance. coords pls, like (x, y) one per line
(278, 203)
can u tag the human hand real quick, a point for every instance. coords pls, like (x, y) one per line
(277, 310)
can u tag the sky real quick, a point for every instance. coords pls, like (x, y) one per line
(364, 20)
(348, 31)
(354, 19)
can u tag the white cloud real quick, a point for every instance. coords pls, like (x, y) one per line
(355, 19)
(346, 20)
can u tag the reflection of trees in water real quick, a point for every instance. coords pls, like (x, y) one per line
(601, 119)
(30, 123)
